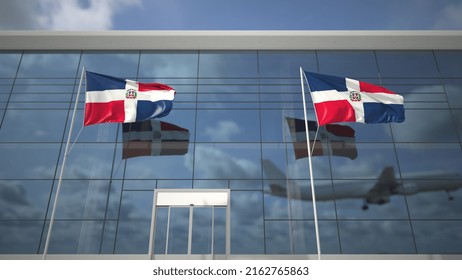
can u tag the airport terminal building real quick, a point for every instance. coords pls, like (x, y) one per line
(236, 184)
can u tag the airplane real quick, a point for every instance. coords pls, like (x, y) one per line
(385, 186)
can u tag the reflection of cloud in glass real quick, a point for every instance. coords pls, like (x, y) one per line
(223, 131)
(376, 237)
(213, 163)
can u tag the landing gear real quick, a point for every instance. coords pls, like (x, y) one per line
(450, 197)
(365, 207)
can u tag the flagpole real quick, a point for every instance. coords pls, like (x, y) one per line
(313, 196)
(66, 151)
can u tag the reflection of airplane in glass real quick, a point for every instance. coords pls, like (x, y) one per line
(378, 193)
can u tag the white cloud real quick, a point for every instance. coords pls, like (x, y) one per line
(62, 14)
(223, 131)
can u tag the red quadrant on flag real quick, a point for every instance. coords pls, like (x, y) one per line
(111, 99)
(339, 99)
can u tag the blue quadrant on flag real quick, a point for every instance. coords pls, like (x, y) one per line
(112, 99)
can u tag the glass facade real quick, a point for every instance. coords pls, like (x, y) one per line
(399, 194)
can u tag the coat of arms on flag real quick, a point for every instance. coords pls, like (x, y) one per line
(111, 99)
(339, 99)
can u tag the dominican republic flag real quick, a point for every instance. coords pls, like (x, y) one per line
(153, 138)
(111, 99)
(336, 140)
(338, 99)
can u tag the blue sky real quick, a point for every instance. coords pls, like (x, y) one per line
(231, 15)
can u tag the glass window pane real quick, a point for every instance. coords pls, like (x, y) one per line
(426, 126)
(454, 92)
(285, 64)
(24, 199)
(134, 222)
(371, 161)
(434, 198)
(228, 126)
(202, 230)
(304, 237)
(351, 64)
(161, 230)
(438, 237)
(247, 235)
(237, 64)
(20, 237)
(109, 237)
(118, 64)
(168, 64)
(277, 237)
(429, 161)
(89, 161)
(227, 161)
(407, 64)
(160, 167)
(33, 126)
(219, 235)
(49, 65)
(449, 63)
(75, 237)
(9, 62)
(366, 199)
(82, 199)
(178, 230)
(458, 118)
(376, 237)
(28, 161)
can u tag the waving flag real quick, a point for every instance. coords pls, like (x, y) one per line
(337, 140)
(338, 99)
(153, 138)
(111, 99)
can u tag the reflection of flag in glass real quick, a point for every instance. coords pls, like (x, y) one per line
(338, 140)
(338, 99)
(154, 138)
(111, 99)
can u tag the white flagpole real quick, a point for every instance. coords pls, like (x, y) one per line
(313, 196)
(58, 188)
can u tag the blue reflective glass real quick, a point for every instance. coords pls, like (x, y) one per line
(28, 161)
(67, 237)
(247, 226)
(9, 62)
(168, 64)
(402, 64)
(119, 64)
(178, 230)
(426, 126)
(285, 64)
(82, 199)
(434, 198)
(438, 237)
(33, 126)
(376, 237)
(49, 65)
(351, 64)
(228, 64)
(429, 160)
(24, 199)
(228, 126)
(227, 161)
(20, 237)
(449, 63)
(454, 92)
(134, 222)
